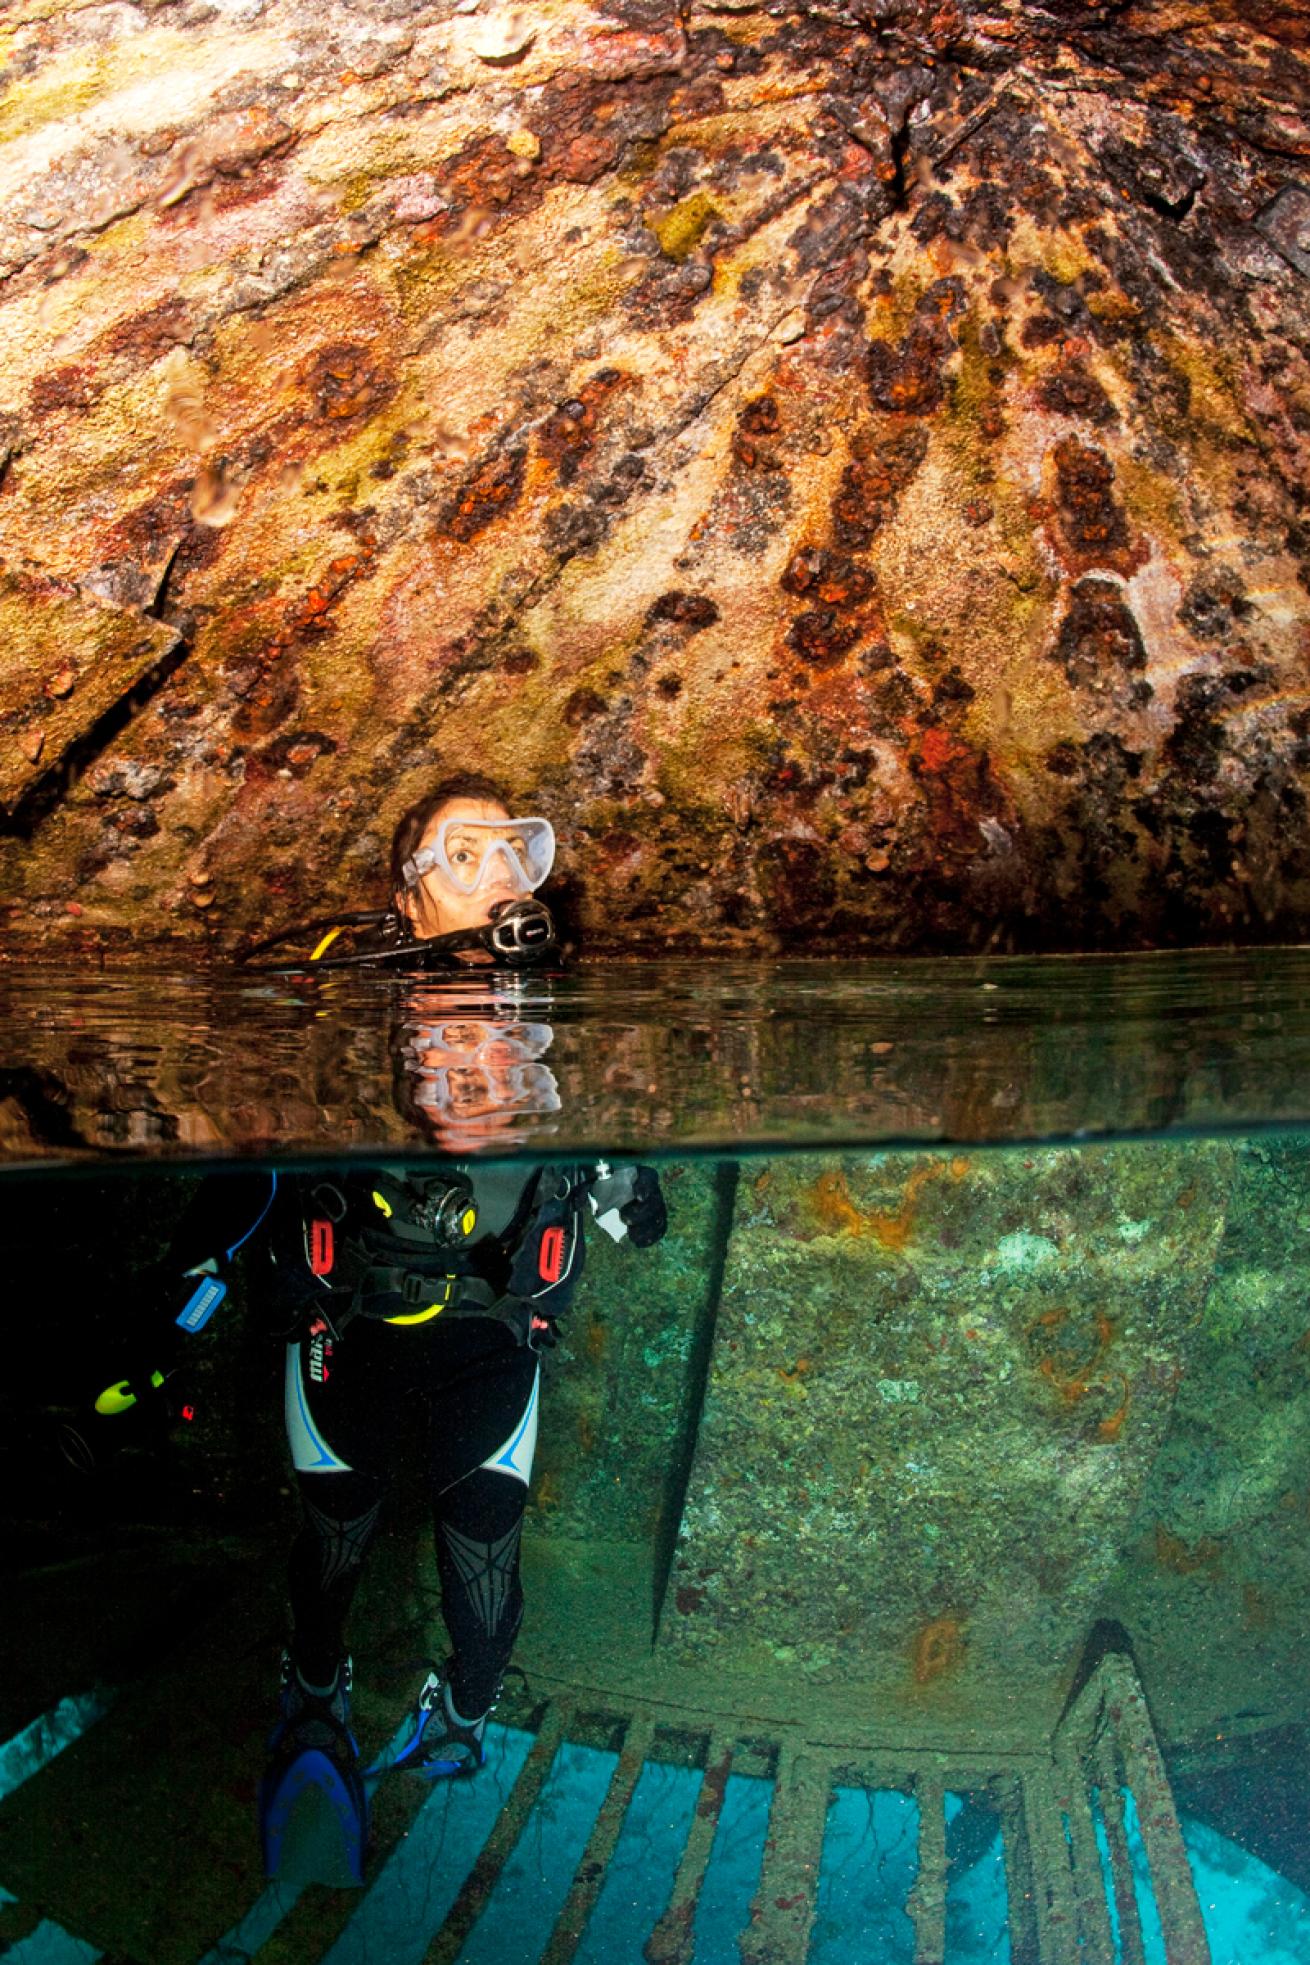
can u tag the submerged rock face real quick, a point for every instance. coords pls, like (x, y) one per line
(842, 461)
(938, 1389)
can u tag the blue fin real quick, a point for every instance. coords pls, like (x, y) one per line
(313, 1819)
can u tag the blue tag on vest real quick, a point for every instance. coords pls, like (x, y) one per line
(201, 1304)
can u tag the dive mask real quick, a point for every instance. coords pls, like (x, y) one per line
(467, 1072)
(465, 852)
(466, 1094)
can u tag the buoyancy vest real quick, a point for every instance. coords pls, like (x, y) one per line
(387, 1244)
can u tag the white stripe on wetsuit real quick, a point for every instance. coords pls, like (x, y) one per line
(515, 1456)
(310, 1452)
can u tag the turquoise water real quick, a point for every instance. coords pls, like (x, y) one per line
(980, 1330)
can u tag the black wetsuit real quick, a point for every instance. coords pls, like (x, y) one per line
(353, 1379)
(478, 1392)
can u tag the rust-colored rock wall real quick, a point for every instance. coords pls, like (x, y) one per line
(845, 462)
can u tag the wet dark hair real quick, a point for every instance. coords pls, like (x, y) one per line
(412, 825)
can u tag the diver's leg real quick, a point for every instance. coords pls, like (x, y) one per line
(478, 1524)
(478, 1517)
(313, 1808)
(327, 1558)
(335, 1442)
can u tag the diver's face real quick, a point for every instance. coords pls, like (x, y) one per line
(476, 1081)
(437, 905)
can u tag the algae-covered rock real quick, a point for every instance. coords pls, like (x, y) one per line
(937, 1387)
(1217, 1567)
(623, 1389)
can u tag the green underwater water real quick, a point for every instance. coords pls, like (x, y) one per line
(882, 1434)
(873, 1443)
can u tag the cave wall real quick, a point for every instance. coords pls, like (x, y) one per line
(842, 461)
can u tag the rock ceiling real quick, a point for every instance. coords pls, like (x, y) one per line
(844, 462)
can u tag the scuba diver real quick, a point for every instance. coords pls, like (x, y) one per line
(432, 1287)
(464, 878)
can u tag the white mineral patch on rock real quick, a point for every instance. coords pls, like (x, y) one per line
(898, 1391)
(1023, 1251)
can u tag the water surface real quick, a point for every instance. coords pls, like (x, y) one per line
(651, 1055)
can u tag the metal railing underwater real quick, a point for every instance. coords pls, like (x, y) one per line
(737, 1860)
(1111, 1780)
(653, 1836)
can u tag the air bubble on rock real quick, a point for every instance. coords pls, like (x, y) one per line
(451, 445)
(471, 226)
(184, 406)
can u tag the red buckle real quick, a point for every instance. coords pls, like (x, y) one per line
(550, 1260)
(322, 1254)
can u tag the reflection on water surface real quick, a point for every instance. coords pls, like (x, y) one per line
(662, 1055)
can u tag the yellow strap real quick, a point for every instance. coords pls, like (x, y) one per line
(433, 1309)
(325, 944)
(419, 1316)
